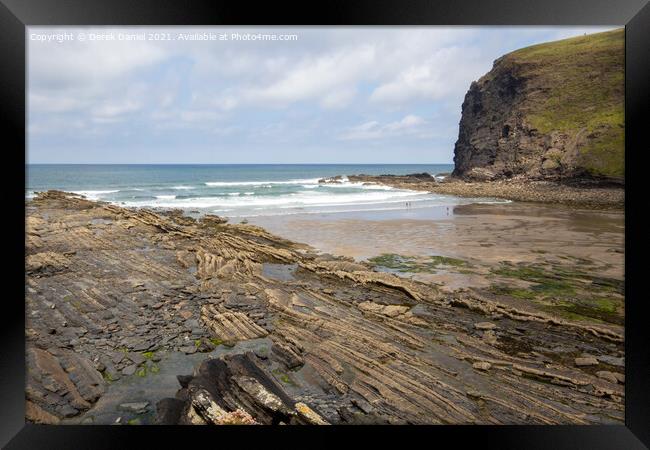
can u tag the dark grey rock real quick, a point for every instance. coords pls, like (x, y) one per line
(129, 370)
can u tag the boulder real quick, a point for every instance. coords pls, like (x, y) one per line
(234, 389)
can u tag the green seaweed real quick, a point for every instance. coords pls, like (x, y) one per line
(280, 375)
(500, 289)
(412, 264)
(567, 291)
(392, 261)
(107, 376)
(606, 304)
(447, 261)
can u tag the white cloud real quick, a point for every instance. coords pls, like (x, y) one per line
(329, 78)
(52, 103)
(410, 125)
(291, 93)
(445, 72)
(111, 110)
(53, 65)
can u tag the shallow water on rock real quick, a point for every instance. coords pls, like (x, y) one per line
(281, 272)
(153, 387)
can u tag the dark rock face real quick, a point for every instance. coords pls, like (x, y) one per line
(491, 130)
(552, 111)
(233, 390)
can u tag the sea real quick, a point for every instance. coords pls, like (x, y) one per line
(240, 190)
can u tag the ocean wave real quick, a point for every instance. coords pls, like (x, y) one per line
(95, 195)
(260, 183)
(182, 188)
(360, 185)
(290, 200)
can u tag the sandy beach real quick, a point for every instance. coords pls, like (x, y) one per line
(479, 237)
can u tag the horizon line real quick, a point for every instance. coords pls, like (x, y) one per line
(234, 164)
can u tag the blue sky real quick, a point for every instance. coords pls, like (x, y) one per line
(333, 95)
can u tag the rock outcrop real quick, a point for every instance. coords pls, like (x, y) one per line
(233, 390)
(550, 111)
(576, 192)
(110, 291)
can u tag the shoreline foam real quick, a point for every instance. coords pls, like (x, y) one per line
(121, 290)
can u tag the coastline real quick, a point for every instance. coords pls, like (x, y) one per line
(116, 294)
(586, 194)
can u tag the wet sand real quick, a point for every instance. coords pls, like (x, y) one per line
(490, 233)
(482, 234)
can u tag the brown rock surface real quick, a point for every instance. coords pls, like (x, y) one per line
(582, 193)
(346, 363)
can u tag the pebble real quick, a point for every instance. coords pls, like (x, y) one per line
(188, 350)
(137, 407)
(484, 326)
(136, 358)
(612, 360)
(117, 357)
(68, 411)
(590, 361)
(482, 365)
(129, 370)
(610, 376)
(185, 314)
(142, 346)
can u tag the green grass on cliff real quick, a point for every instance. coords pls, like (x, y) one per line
(580, 82)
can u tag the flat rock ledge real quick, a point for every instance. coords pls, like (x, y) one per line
(112, 292)
(583, 193)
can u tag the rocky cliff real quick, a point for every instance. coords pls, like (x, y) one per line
(550, 111)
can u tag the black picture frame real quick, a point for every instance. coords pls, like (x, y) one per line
(15, 15)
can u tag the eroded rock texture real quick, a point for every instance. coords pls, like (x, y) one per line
(106, 285)
(233, 390)
(548, 111)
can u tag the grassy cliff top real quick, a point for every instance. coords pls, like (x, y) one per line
(577, 86)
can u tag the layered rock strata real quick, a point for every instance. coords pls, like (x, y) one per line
(107, 287)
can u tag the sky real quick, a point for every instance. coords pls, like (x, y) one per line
(312, 95)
